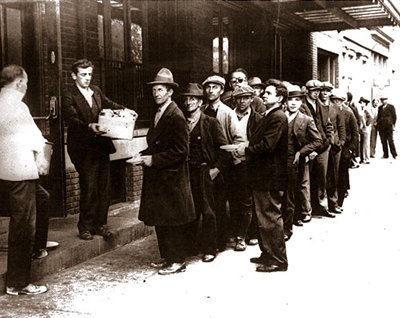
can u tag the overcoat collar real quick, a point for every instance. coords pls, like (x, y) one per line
(154, 132)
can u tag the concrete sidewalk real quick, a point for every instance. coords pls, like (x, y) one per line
(122, 221)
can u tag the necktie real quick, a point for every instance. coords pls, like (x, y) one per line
(157, 116)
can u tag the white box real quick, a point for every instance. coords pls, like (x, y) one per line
(117, 124)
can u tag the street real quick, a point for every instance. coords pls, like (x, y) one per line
(342, 267)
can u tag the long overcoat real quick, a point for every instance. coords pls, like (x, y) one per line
(166, 195)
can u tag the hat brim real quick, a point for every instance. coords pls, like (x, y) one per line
(163, 83)
(258, 85)
(194, 95)
(212, 82)
(242, 95)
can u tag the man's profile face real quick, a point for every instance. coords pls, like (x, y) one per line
(83, 76)
(161, 93)
(270, 97)
(213, 91)
(238, 79)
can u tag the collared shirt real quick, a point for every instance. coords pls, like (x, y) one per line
(160, 112)
(87, 93)
(291, 116)
(270, 110)
(312, 102)
(20, 138)
(192, 122)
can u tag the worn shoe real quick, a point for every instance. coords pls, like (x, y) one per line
(172, 269)
(271, 268)
(257, 260)
(27, 290)
(298, 223)
(102, 231)
(306, 218)
(42, 253)
(286, 237)
(240, 245)
(336, 210)
(208, 258)
(85, 235)
(160, 264)
(252, 241)
(326, 214)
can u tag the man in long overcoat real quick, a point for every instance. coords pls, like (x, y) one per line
(167, 201)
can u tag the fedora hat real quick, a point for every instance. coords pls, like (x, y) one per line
(165, 77)
(295, 91)
(255, 81)
(193, 89)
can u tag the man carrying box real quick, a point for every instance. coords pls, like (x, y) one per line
(88, 149)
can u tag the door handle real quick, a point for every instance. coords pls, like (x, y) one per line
(53, 110)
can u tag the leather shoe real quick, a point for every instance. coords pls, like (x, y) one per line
(298, 223)
(336, 210)
(271, 268)
(85, 235)
(257, 260)
(252, 241)
(327, 214)
(207, 258)
(102, 231)
(240, 245)
(306, 218)
(172, 269)
(160, 264)
(286, 237)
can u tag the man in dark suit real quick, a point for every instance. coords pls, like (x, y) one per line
(167, 201)
(266, 156)
(88, 150)
(303, 143)
(319, 166)
(206, 161)
(386, 121)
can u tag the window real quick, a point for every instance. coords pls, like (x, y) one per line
(220, 45)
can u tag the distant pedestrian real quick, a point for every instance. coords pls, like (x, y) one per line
(386, 122)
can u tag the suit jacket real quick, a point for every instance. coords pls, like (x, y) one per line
(352, 136)
(386, 117)
(212, 138)
(78, 114)
(166, 194)
(323, 123)
(306, 134)
(339, 130)
(266, 154)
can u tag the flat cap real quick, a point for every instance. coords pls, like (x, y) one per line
(326, 85)
(313, 84)
(245, 90)
(215, 79)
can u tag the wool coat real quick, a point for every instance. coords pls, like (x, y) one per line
(166, 195)
(307, 134)
(267, 153)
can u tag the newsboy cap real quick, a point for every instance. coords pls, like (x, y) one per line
(363, 100)
(164, 77)
(245, 90)
(327, 85)
(313, 84)
(193, 89)
(295, 91)
(255, 81)
(215, 79)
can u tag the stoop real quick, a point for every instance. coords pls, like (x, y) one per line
(122, 221)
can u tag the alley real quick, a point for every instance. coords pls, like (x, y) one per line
(342, 267)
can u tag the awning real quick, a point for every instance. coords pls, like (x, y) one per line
(323, 15)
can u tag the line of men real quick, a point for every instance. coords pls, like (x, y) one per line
(245, 170)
